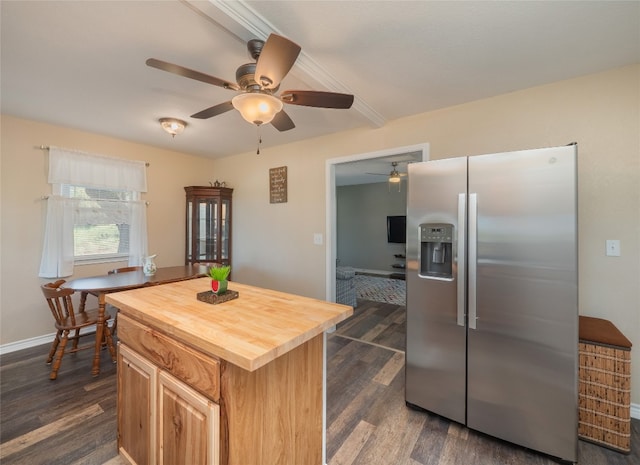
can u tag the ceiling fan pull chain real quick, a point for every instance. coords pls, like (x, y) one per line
(259, 140)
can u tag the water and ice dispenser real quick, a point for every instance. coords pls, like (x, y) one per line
(436, 251)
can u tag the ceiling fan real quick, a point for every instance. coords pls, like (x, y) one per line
(258, 83)
(394, 176)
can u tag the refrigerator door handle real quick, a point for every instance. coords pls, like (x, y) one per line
(473, 258)
(461, 255)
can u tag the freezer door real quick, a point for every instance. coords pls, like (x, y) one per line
(436, 335)
(522, 356)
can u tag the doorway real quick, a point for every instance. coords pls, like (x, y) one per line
(358, 166)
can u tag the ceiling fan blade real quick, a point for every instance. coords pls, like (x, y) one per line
(314, 98)
(282, 121)
(276, 59)
(214, 110)
(191, 74)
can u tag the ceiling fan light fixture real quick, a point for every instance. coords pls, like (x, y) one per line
(257, 108)
(172, 125)
(394, 177)
(394, 180)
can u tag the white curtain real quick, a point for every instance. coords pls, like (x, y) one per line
(57, 251)
(88, 169)
(137, 233)
(85, 169)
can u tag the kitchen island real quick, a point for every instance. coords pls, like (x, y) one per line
(236, 383)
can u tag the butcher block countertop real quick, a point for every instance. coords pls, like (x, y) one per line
(250, 331)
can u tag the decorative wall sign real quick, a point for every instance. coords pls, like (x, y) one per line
(278, 185)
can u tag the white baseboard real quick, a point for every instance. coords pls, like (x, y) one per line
(39, 340)
(26, 343)
(47, 338)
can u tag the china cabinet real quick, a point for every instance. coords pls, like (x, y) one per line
(208, 224)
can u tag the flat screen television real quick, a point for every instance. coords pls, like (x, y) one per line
(397, 229)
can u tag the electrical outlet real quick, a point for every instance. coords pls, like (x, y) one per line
(317, 238)
(613, 247)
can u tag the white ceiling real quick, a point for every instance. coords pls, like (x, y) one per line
(81, 64)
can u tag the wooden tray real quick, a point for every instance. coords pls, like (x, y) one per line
(211, 298)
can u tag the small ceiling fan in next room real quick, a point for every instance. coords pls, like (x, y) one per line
(394, 176)
(258, 100)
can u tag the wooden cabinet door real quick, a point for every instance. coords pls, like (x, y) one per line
(189, 425)
(136, 407)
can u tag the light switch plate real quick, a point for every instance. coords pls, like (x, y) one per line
(317, 238)
(613, 247)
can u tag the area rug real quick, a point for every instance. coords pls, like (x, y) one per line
(392, 291)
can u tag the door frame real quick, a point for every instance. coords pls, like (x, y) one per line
(331, 209)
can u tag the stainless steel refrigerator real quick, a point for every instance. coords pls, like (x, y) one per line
(492, 295)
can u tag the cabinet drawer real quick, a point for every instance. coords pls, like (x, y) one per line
(188, 365)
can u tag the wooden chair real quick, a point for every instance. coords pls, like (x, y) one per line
(67, 320)
(124, 269)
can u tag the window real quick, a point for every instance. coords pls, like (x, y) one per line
(102, 223)
(95, 212)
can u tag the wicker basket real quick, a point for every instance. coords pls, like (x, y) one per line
(604, 394)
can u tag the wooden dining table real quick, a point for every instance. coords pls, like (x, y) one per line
(102, 285)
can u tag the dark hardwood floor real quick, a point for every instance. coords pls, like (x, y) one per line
(369, 423)
(72, 421)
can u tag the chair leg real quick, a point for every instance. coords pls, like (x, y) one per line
(115, 323)
(76, 339)
(108, 341)
(58, 361)
(54, 346)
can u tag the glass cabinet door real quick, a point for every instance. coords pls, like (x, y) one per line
(208, 225)
(225, 226)
(207, 236)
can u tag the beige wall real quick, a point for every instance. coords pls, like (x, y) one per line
(24, 313)
(273, 243)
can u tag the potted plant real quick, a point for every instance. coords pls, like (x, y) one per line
(219, 277)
